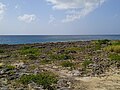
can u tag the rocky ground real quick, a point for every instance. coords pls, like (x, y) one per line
(81, 65)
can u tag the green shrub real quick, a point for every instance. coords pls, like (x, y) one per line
(105, 41)
(67, 64)
(10, 67)
(31, 53)
(26, 79)
(114, 57)
(1, 51)
(97, 47)
(60, 57)
(29, 50)
(72, 49)
(46, 79)
(113, 48)
(86, 63)
(115, 42)
(45, 61)
(1, 65)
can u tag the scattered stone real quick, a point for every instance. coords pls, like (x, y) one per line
(76, 73)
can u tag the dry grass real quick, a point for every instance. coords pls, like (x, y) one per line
(113, 48)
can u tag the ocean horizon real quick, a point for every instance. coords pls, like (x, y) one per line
(29, 39)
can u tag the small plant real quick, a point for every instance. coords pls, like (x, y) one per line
(105, 41)
(72, 50)
(1, 65)
(60, 56)
(115, 42)
(1, 51)
(31, 53)
(114, 57)
(26, 47)
(113, 48)
(30, 50)
(67, 64)
(97, 47)
(86, 63)
(11, 72)
(45, 61)
(46, 79)
(10, 67)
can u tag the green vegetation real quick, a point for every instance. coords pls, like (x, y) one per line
(10, 67)
(1, 65)
(45, 61)
(115, 42)
(66, 50)
(114, 57)
(67, 64)
(29, 50)
(60, 57)
(105, 41)
(98, 43)
(72, 50)
(46, 79)
(86, 63)
(113, 48)
(31, 53)
(1, 51)
(97, 47)
(11, 72)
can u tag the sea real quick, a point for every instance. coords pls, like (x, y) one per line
(29, 39)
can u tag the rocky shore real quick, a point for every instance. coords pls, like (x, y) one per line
(80, 65)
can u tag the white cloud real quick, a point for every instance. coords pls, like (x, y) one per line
(27, 18)
(52, 19)
(79, 8)
(2, 10)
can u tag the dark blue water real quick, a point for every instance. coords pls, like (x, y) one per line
(24, 39)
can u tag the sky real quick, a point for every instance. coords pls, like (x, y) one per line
(59, 17)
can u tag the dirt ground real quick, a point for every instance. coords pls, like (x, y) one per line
(111, 82)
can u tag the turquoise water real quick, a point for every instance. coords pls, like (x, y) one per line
(24, 39)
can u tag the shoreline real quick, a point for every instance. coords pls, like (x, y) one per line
(53, 38)
(79, 65)
(71, 41)
(68, 41)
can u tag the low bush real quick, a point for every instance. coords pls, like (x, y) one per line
(114, 57)
(72, 49)
(1, 51)
(31, 53)
(115, 42)
(105, 41)
(26, 51)
(45, 61)
(97, 47)
(46, 79)
(1, 65)
(67, 64)
(10, 67)
(113, 48)
(60, 57)
(86, 63)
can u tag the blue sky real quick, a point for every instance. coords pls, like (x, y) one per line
(58, 17)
